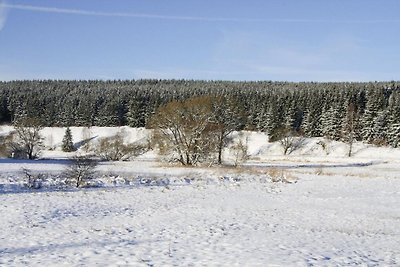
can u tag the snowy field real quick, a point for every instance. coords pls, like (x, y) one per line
(332, 211)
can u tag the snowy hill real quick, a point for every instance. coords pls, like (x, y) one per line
(313, 207)
(259, 149)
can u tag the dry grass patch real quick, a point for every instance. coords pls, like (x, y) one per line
(274, 174)
(281, 175)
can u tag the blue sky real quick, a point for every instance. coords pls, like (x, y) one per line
(285, 40)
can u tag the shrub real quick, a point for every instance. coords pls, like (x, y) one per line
(33, 181)
(319, 171)
(240, 152)
(280, 176)
(5, 149)
(80, 171)
(113, 148)
(290, 142)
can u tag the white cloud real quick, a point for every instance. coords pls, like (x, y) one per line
(118, 14)
(3, 14)
(187, 18)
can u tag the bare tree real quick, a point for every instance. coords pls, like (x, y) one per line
(81, 170)
(229, 116)
(240, 152)
(290, 142)
(350, 127)
(28, 138)
(186, 129)
(86, 137)
(33, 181)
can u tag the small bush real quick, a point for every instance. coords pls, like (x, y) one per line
(113, 148)
(379, 142)
(325, 146)
(240, 152)
(33, 181)
(290, 142)
(280, 176)
(319, 171)
(80, 171)
(5, 149)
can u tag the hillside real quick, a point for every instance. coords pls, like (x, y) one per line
(313, 207)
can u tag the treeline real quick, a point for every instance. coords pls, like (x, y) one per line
(310, 109)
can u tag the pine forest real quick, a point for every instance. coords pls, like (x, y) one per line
(371, 111)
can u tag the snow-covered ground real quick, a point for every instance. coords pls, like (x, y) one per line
(335, 211)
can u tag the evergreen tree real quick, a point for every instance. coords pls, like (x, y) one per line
(259, 118)
(67, 144)
(331, 122)
(393, 120)
(270, 106)
(272, 122)
(327, 122)
(291, 118)
(311, 124)
(393, 135)
(136, 112)
(375, 101)
(381, 128)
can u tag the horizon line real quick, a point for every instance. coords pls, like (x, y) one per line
(198, 80)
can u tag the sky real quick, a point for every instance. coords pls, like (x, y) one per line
(279, 40)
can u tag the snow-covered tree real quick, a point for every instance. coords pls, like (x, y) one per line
(393, 135)
(67, 144)
(373, 107)
(331, 123)
(380, 128)
(311, 124)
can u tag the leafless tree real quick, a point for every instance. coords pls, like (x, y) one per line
(33, 181)
(81, 170)
(240, 152)
(186, 129)
(28, 139)
(228, 116)
(290, 142)
(350, 127)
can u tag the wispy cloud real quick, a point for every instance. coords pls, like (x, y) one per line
(333, 57)
(118, 14)
(3, 14)
(186, 18)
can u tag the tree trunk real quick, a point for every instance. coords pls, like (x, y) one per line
(220, 147)
(351, 140)
(220, 155)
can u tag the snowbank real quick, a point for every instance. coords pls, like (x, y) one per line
(336, 211)
(259, 149)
